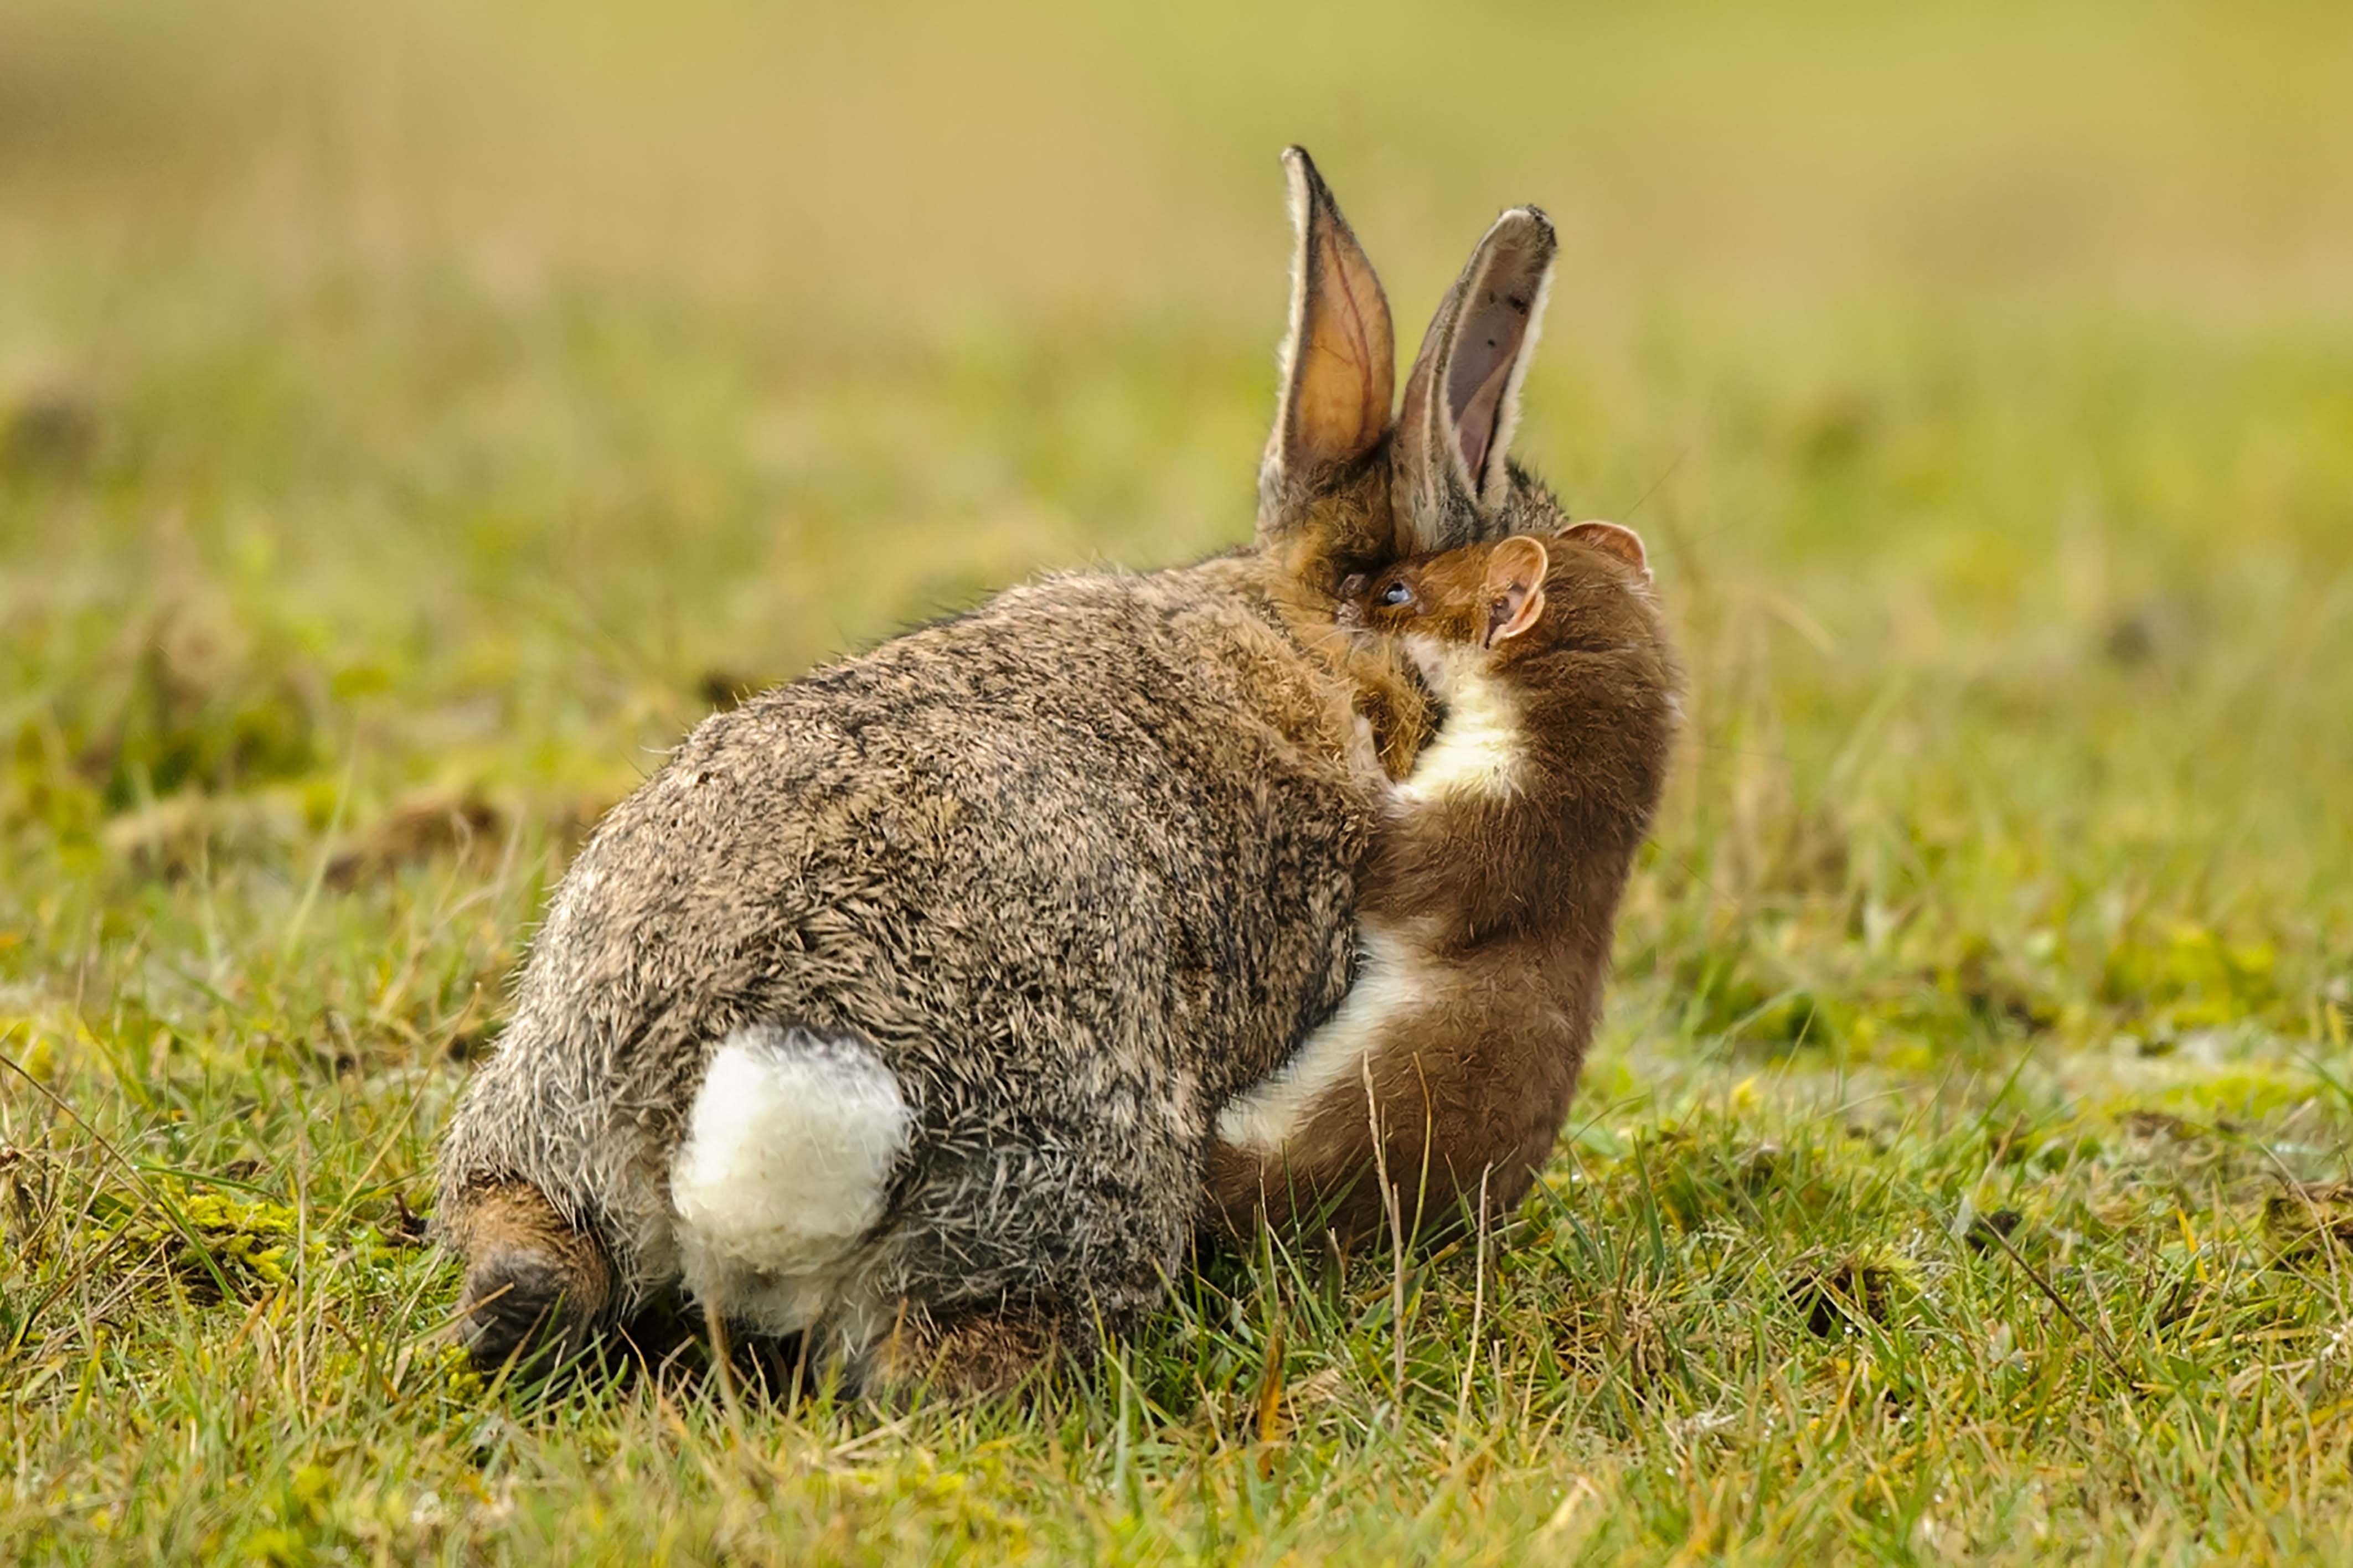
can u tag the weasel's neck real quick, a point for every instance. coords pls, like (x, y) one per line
(1523, 739)
(1480, 751)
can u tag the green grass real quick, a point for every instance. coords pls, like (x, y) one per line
(410, 423)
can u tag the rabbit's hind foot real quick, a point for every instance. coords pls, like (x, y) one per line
(536, 1289)
(972, 1355)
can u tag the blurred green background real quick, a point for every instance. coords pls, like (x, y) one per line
(468, 395)
(414, 416)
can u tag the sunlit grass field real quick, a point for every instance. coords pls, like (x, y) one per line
(411, 420)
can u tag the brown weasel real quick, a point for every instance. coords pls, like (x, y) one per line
(1488, 901)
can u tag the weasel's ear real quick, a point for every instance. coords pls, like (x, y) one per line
(1616, 539)
(1514, 595)
(1463, 397)
(1339, 360)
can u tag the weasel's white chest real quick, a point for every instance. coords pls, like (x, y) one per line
(1478, 750)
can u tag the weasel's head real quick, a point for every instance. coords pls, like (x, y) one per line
(1557, 633)
(1517, 596)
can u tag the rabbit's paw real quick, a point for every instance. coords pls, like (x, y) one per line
(972, 1355)
(535, 1288)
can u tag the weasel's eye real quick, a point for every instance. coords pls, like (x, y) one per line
(1397, 592)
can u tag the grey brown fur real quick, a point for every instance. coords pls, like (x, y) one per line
(1078, 864)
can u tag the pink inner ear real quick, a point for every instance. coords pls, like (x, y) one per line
(1516, 613)
(1515, 594)
(1487, 346)
(1476, 424)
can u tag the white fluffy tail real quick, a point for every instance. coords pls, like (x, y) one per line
(788, 1160)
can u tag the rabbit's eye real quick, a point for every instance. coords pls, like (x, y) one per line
(1395, 594)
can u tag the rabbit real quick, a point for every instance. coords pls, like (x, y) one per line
(895, 1009)
(1437, 1089)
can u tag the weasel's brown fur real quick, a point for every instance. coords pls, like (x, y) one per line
(1500, 894)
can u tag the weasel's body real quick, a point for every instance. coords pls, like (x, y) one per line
(1486, 910)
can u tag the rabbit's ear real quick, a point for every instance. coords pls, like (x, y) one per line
(1339, 361)
(1463, 396)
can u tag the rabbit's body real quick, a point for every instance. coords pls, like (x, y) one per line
(1073, 868)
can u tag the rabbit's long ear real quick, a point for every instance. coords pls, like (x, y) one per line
(1339, 361)
(1463, 397)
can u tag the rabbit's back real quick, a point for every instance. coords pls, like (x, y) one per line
(1084, 856)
